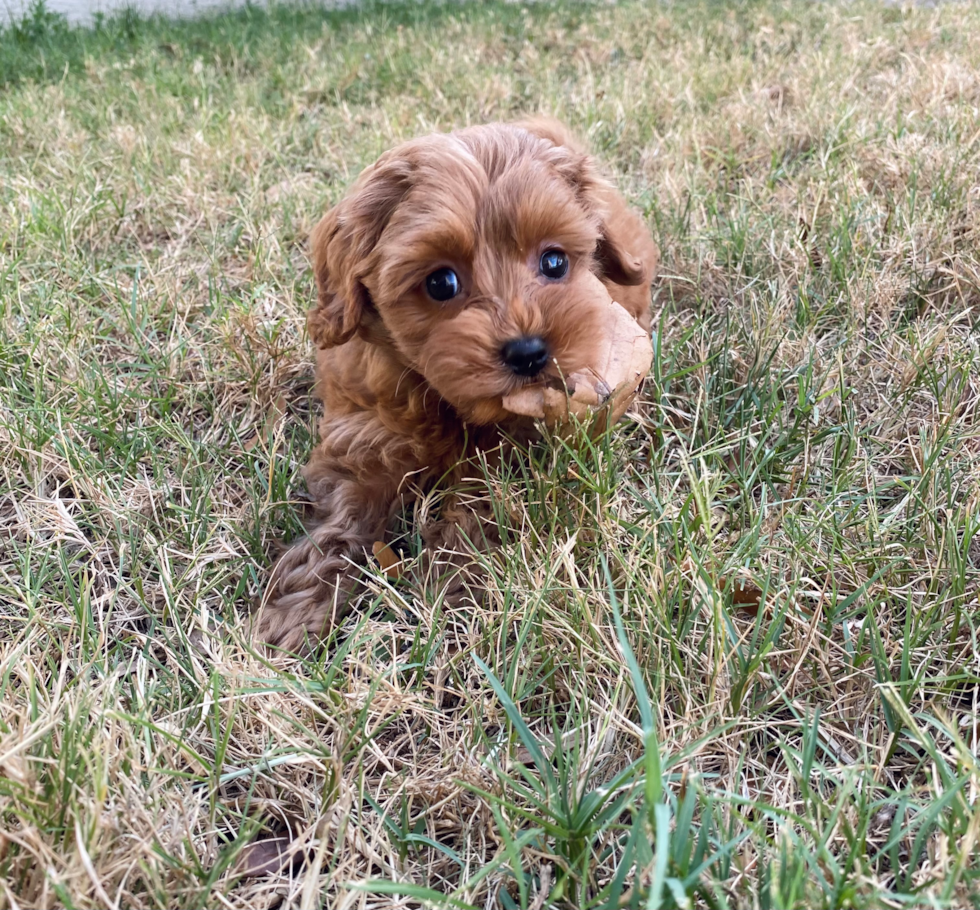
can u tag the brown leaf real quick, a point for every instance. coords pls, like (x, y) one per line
(391, 565)
(746, 597)
(604, 389)
(264, 857)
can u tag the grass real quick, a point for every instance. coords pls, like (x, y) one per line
(728, 656)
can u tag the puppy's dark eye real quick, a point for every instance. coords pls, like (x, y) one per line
(554, 264)
(442, 285)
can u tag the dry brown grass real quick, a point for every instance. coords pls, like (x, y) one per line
(787, 524)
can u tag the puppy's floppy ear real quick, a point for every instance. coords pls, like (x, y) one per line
(341, 246)
(625, 254)
(340, 302)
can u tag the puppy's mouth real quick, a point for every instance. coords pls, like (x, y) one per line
(540, 396)
(568, 384)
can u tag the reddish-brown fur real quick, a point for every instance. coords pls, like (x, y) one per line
(411, 386)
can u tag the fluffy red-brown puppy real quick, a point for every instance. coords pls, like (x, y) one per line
(458, 269)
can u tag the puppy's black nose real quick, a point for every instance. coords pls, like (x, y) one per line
(526, 356)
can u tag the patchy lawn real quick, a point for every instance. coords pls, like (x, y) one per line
(783, 532)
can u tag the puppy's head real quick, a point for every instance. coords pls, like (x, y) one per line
(483, 257)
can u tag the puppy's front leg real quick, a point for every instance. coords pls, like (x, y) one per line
(313, 580)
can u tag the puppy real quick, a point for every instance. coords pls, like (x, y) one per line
(457, 269)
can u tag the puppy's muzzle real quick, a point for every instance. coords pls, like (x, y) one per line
(526, 356)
